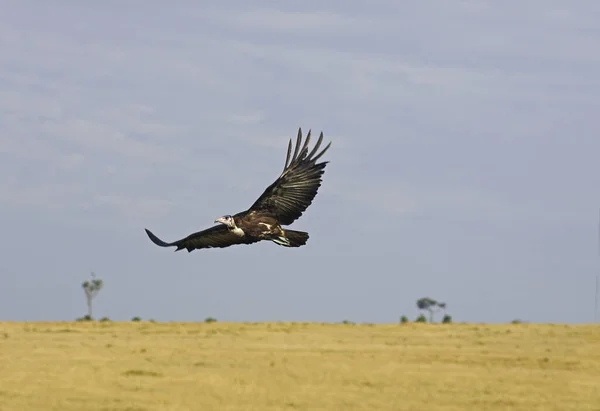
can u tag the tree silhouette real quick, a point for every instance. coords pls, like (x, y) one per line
(430, 305)
(91, 289)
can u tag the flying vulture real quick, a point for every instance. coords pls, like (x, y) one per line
(280, 204)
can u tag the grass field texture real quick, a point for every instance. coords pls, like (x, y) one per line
(298, 366)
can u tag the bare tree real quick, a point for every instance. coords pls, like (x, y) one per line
(91, 289)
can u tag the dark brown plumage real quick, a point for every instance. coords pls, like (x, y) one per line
(281, 203)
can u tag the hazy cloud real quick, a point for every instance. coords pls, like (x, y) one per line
(463, 163)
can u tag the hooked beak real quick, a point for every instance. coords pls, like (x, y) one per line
(221, 220)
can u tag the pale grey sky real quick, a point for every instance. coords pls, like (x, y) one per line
(464, 163)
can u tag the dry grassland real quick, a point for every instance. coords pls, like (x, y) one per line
(298, 366)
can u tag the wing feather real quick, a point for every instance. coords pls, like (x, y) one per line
(294, 190)
(217, 236)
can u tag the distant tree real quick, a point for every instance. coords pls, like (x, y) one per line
(136, 319)
(210, 320)
(447, 319)
(430, 305)
(421, 319)
(403, 319)
(443, 307)
(91, 289)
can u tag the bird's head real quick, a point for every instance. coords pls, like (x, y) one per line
(227, 220)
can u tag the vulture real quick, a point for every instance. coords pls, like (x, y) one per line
(279, 205)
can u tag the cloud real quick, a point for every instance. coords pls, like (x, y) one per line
(18, 106)
(134, 206)
(307, 23)
(189, 110)
(464, 143)
(138, 119)
(381, 199)
(71, 161)
(98, 136)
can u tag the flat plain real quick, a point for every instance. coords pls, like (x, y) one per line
(298, 366)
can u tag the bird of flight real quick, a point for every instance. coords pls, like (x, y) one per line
(280, 204)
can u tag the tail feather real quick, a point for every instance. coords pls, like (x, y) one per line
(292, 238)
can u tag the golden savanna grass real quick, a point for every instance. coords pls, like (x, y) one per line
(298, 366)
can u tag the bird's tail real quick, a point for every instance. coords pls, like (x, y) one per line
(291, 238)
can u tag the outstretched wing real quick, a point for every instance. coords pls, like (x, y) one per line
(217, 236)
(291, 194)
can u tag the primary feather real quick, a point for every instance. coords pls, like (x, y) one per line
(294, 190)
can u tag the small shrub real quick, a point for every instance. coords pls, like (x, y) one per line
(447, 319)
(403, 319)
(348, 322)
(136, 319)
(104, 319)
(210, 320)
(421, 319)
(84, 318)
